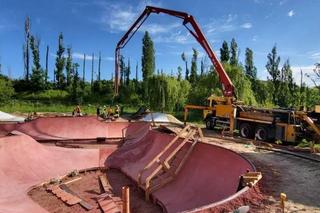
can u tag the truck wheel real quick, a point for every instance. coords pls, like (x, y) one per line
(209, 124)
(262, 133)
(246, 130)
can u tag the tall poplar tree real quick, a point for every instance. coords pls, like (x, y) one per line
(224, 52)
(234, 52)
(37, 76)
(251, 70)
(147, 63)
(184, 58)
(69, 66)
(194, 68)
(274, 72)
(60, 63)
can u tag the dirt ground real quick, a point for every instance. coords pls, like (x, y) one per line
(298, 178)
(88, 188)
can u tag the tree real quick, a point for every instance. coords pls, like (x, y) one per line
(6, 89)
(194, 69)
(47, 60)
(37, 76)
(179, 73)
(60, 63)
(148, 57)
(285, 92)
(251, 70)
(92, 70)
(202, 67)
(99, 67)
(316, 78)
(184, 58)
(122, 70)
(273, 70)
(76, 89)
(26, 55)
(234, 52)
(147, 63)
(128, 71)
(84, 68)
(224, 52)
(69, 66)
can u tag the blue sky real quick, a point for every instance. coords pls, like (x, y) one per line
(90, 26)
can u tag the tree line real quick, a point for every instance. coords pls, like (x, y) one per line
(158, 89)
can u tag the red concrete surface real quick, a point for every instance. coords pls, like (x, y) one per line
(73, 128)
(25, 163)
(211, 173)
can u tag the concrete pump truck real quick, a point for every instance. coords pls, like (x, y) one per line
(226, 111)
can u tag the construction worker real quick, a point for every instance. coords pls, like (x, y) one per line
(109, 112)
(98, 111)
(77, 111)
(117, 111)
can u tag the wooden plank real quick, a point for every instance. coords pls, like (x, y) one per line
(83, 203)
(190, 134)
(104, 182)
(155, 159)
(73, 180)
(185, 157)
(66, 197)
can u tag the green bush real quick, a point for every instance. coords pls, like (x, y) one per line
(6, 89)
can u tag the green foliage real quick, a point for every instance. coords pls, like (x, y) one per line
(69, 65)
(273, 70)
(234, 52)
(148, 58)
(37, 76)
(167, 93)
(6, 89)
(251, 70)
(60, 63)
(184, 58)
(242, 83)
(207, 84)
(224, 52)
(194, 69)
(179, 73)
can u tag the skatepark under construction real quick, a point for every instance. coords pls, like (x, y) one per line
(175, 171)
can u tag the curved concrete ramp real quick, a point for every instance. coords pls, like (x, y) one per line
(73, 128)
(24, 163)
(211, 173)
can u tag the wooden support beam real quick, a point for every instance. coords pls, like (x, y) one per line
(104, 182)
(157, 157)
(126, 199)
(83, 203)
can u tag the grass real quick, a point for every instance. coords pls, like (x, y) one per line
(306, 144)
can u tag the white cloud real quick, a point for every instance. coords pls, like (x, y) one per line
(315, 55)
(176, 37)
(291, 13)
(306, 71)
(226, 24)
(246, 25)
(119, 16)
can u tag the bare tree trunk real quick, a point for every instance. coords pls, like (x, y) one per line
(26, 50)
(92, 68)
(84, 68)
(99, 74)
(137, 72)
(47, 58)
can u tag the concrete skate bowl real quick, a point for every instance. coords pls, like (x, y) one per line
(24, 163)
(208, 181)
(46, 129)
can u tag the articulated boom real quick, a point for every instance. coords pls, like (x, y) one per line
(227, 86)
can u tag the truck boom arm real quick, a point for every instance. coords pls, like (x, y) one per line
(227, 86)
